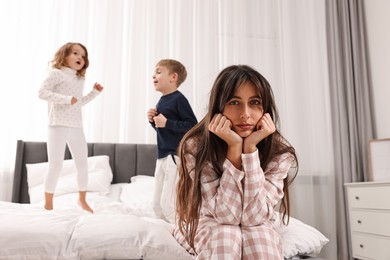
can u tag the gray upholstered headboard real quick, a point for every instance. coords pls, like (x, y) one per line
(126, 161)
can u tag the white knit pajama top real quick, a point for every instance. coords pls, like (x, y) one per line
(58, 89)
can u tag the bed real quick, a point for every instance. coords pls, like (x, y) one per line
(123, 225)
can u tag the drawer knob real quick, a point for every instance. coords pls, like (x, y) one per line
(359, 221)
(357, 197)
(361, 246)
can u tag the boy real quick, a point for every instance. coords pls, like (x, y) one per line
(172, 118)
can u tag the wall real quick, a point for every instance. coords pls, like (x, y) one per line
(377, 22)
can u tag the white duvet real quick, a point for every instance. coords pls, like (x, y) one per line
(27, 231)
(122, 227)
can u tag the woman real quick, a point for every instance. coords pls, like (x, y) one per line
(234, 167)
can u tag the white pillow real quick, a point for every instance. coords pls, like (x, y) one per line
(99, 177)
(137, 196)
(300, 239)
(143, 178)
(115, 191)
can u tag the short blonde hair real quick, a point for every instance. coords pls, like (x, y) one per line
(175, 66)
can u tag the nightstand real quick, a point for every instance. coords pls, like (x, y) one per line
(369, 219)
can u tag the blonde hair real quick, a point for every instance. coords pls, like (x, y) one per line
(175, 66)
(59, 57)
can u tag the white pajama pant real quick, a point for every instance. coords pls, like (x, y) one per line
(58, 137)
(166, 177)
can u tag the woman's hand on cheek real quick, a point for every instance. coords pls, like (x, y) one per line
(221, 126)
(264, 128)
(266, 125)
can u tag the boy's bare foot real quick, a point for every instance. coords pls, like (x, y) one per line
(84, 205)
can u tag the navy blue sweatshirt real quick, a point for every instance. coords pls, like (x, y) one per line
(180, 119)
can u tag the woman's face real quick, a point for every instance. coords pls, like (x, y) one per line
(244, 109)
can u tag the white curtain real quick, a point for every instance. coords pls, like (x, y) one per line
(284, 40)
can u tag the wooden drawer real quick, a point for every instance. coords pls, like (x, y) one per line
(369, 197)
(373, 222)
(370, 247)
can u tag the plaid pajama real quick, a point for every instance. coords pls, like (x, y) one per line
(238, 210)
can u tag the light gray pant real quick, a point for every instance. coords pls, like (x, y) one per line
(166, 178)
(58, 136)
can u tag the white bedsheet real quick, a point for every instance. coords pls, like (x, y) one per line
(122, 227)
(27, 231)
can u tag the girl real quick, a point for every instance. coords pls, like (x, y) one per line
(63, 89)
(233, 172)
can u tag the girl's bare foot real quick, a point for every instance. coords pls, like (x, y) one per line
(48, 207)
(48, 201)
(84, 205)
(83, 202)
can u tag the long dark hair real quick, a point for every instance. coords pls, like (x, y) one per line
(211, 149)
